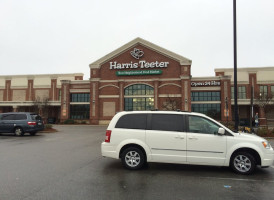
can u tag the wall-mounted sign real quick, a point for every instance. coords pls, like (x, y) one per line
(137, 53)
(142, 64)
(139, 72)
(205, 83)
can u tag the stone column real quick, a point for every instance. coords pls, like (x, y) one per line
(15, 108)
(30, 91)
(156, 95)
(226, 114)
(94, 102)
(121, 95)
(53, 90)
(186, 93)
(65, 100)
(262, 117)
(7, 93)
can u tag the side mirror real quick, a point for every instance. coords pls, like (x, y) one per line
(221, 131)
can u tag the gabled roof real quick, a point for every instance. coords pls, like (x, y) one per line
(122, 49)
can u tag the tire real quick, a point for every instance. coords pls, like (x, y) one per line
(33, 133)
(133, 158)
(243, 163)
(18, 131)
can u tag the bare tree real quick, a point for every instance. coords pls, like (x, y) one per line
(41, 106)
(264, 100)
(171, 103)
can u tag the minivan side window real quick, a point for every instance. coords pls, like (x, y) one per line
(35, 117)
(8, 117)
(132, 121)
(202, 125)
(20, 116)
(164, 122)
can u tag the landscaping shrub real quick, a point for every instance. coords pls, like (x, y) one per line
(262, 132)
(69, 121)
(48, 126)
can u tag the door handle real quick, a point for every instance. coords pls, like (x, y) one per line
(179, 137)
(193, 138)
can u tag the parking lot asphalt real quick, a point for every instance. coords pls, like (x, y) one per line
(68, 165)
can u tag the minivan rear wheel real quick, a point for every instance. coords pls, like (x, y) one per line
(18, 131)
(133, 158)
(243, 163)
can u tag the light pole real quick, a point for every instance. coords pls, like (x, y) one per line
(251, 107)
(226, 110)
(235, 68)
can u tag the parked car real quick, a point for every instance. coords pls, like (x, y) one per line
(138, 137)
(20, 123)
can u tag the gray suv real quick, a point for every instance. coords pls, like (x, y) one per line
(20, 123)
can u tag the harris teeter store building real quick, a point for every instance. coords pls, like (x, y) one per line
(143, 76)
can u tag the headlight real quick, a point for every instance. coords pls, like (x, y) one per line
(266, 144)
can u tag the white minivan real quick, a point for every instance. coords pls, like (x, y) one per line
(137, 137)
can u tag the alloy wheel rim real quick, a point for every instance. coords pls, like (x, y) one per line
(132, 158)
(18, 131)
(242, 163)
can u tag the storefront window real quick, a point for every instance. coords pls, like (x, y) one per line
(211, 110)
(143, 97)
(272, 91)
(241, 92)
(79, 97)
(60, 94)
(79, 111)
(205, 96)
(139, 89)
(263, 90)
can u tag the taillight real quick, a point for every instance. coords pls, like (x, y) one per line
(108, 134)
(32, 123)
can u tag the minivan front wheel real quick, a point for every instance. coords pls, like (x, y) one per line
(133, 158)
(18, 131)
(243, 163)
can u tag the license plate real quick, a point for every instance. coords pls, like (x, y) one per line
(39, 123)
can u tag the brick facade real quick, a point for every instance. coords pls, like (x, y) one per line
(137, 62)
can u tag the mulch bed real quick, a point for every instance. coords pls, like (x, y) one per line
(49, 130)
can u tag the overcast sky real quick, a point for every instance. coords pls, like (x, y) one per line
(65, 36)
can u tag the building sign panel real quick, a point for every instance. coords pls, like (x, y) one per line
(138, 72)
(205, 83)
(142, 64)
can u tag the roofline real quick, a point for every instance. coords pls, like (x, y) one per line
(42, 75)
(122, 49)
(252, 69)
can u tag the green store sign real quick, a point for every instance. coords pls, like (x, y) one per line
(139, 72)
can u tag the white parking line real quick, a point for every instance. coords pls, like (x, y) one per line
(53, 139)
(237, 179)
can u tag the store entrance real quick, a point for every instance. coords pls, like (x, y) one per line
(139, 97)
(139, 104)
